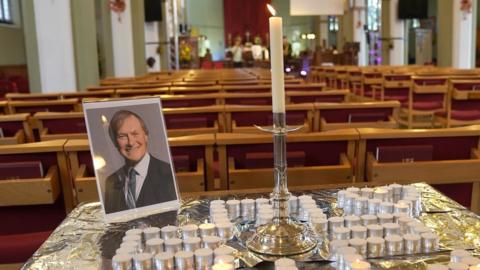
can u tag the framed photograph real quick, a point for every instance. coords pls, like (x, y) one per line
(131, 156)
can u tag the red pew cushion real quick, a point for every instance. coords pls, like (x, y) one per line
(465, 115)
(17, 248)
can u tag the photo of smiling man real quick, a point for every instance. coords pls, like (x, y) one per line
(132, 160)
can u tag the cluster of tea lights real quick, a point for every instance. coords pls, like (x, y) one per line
(189, 247)
(379, 222)
(459, 260)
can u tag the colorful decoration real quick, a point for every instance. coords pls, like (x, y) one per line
(466, 6)
(118, 6)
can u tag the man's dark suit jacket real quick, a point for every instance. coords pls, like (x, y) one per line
(158, 187)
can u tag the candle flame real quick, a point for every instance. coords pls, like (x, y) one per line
(271, 9)
(104, 119)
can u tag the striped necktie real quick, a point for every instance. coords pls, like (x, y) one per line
(132, 184)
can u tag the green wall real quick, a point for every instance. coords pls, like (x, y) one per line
(85, 43)
(12, 47)
(207, 17)
(138, 29)
(31, 49)
(444, 33)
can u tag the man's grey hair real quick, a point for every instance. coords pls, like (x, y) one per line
(117, 121)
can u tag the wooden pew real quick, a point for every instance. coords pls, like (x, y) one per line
(194, 120)
(436, 156)
(380, 114)
(142, 92)
(63, 105)
(192, 156)
(15, 128)
(246, 160)
(337, 96)
(55, 125)
(186, 90)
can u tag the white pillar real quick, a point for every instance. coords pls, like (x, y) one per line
(462, 45)
(324, 30)
(152, 42)
(122, 40)
(55, 46)
(397, 35)
(359, 20)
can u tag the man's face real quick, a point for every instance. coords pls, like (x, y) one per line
(132, 140)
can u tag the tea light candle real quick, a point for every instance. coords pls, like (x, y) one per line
(248, 209)
(351, 221)
(192, 243)
(374, 206)
(164, 261)
(293, 204)
(361, 206)
(367, 192)
(457, 266)
(151, 232)
(335, 244)
(126, 250)
(222, 266)
(316, 214)
(211, 241)
(474, 267)
(354, 190)
(207, 229)
(284, 262)
(134, 232)
(394, 245)
(341, 233)
(369, 219)
(470, 260)
(173, 245)
(203, 258)
(360, 245)
(341, 198)
(304, 212)
(223, 250)
(184, 260)
(320, 225)
(421, 229)
(391, 229)
(122, 262)
(397, 189)
(386, 207)
(402, 222)
(132, 244)
(264, 218)
(385, 218)
(339, 256)
(334, 222)
(437, 266)
(374, 230)
(228, 259)
(349, 203)
(133, 238)
(397, 216)
(412, 243)
(189, 231)
(261, 201)
(154, 245)
(360, 265)
(142, 261)
(348, 259)
(375, 247)
(457, 255)
(411, 226)
(359, 232)
(225, 230)
(381, 194)
(217, 202)
(168, 232)
(401, 208)
(233, 209)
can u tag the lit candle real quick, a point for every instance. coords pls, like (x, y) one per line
(207, 229)
(284, 262)
(360, 265)
(222, 266)
(276, 62)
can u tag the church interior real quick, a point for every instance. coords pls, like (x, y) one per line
(240, 134)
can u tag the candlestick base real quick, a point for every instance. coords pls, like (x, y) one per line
(282, 238)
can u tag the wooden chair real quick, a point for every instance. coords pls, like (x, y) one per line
(54, 125)
(194, 120)
(192, 157)
(31, 204)
(394, 87)
(246, 160)
(31, 96)
(242, 118)
(427, 96)
(314, 87)
(15, 129)
(354, 76)
(341, 77)
(337, 96)
(64, 105)
(380, 114)
(254, 98)
(4, 107)
(247, 89)
(436, 156)
(463, 104)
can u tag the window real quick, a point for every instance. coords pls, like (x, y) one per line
(332, 24)
(374, 14)
(5, 12)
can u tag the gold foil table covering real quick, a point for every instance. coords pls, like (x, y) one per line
(84, 241)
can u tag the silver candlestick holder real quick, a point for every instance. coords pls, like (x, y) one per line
(282, 236)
